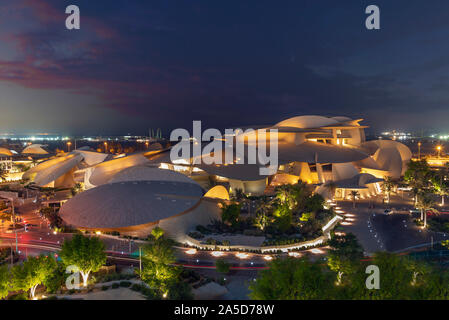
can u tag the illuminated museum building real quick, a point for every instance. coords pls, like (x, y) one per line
(133, 193)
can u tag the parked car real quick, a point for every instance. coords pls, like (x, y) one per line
(412, 211)
(388, 211)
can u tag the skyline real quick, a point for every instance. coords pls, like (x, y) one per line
(135, 66)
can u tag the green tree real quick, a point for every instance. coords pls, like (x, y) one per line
(239, 195)
(230, 213)
(5, 281)
(261, 220)
(158, 270)
(440, 186)
(283, 217)
(354, 194)
(395, 279)
(56, 279)
(425, 204)
(77, 188)
(88, 254)
(417, 176)
(314, 203)
(222, 266)
(32, 273)
(292, 279)
(292, 196)
(307, 216)
(157, 233)
(344, 255)
(387, 187)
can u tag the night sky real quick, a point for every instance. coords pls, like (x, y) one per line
(139, 64)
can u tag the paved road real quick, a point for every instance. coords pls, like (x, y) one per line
(42, 235)
(378, 231)
(398, 232)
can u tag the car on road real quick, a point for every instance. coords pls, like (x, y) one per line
(412, 211)
(388, 211)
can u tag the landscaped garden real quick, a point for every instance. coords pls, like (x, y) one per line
(292, 215)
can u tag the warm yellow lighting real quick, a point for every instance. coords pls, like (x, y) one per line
(294, 254)
(268, 258)
(242, 255)
(98, 232)
(217, 253)
(191, 251)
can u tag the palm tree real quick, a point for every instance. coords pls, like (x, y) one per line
(417, 177)
(440, 186)
(387, 187)
(426, 203)
(239, 195)
(415, 192)
(286, 194)
(262, 211)
(354, 194)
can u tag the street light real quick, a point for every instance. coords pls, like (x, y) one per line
(439, 151)
(68, 146)
(105, 147)
(419, 150)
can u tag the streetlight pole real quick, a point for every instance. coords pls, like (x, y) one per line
(419, 150)
(439, 151)
(13, 213)
(14, 223)
(140, 262)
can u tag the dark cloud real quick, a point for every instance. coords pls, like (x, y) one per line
(231, 63)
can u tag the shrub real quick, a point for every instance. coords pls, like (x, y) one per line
(136, 287)
(222, 266)
(19, 296)
(125, 284)
(115, 285)
(104, 288)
